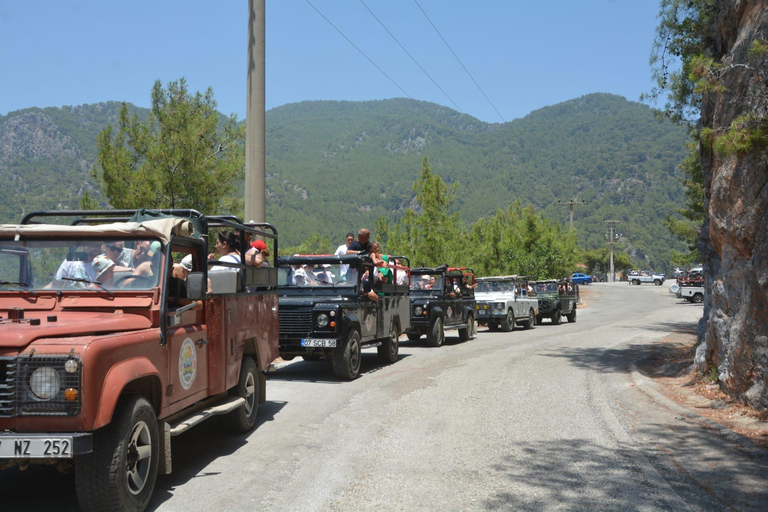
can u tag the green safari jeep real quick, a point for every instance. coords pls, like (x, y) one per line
(556, 299)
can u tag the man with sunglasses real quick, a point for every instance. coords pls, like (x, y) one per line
(117, 252)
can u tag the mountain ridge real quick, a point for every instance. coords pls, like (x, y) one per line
(334, 166)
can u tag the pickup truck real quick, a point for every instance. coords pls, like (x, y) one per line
(102, 364)
(657, 279)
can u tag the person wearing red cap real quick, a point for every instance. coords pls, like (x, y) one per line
(257, 255)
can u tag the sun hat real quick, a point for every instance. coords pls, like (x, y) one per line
(186, 262)
(101, 264)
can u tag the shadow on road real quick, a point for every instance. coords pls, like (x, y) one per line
(322, 370)
(199, 446)
(580, 474)
(43, 488)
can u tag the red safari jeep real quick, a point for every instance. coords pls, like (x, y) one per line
(111, 342)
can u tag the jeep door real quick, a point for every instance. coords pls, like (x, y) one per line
(188, 347)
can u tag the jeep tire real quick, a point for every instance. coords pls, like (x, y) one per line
(347, 357)
(436, 336)
(121, 471)
(531, 320)
(243, 419)
(508, 324)
(556, 317)
(468, 332)
(390, 347)
(571, 317)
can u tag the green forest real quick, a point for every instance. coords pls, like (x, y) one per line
(333, 167)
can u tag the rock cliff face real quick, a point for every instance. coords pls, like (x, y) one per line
(734, 241)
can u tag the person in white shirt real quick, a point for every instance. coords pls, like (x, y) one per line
(342, 250)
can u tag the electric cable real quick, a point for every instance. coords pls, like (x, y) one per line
(459, 60)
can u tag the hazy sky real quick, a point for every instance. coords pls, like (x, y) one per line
(524, 55)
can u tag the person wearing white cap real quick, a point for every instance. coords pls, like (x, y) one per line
(104, 268)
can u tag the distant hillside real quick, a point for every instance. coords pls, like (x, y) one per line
(335, 166)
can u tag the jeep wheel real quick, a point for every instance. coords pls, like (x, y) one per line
(531, 320)
(508, 324)
(571, 317)
(436, 337)
(493, 326)
(657, 282)
(556, 317)
(538, 319)
(120, 473)
(469, 331)
(414, 336)
(697, 298)
(346, 357)
(635, 281)
(243, 419)
(389, 347)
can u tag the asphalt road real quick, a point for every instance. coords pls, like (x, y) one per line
(552, 418)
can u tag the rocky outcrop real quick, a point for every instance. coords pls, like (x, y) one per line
(734, 241)
(33, 136)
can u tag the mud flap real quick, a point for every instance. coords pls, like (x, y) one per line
(164, 467)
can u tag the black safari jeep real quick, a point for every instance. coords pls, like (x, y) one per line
(330, 310)
(442, 298)
(556, 299)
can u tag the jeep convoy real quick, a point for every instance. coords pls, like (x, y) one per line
(503, 302)
(117, 333)
(98, 373)
(442, 299)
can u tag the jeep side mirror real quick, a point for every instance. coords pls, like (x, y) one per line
(196, 286)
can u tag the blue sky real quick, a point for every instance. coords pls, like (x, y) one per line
(524, 55)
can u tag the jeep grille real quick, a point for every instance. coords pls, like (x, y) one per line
(295, 321)
(16, 398)
(7, 386)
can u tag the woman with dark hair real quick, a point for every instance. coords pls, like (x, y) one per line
(227, 248)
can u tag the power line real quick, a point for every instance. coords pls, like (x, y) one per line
(459, 60)
(417, 103)
(412, 58)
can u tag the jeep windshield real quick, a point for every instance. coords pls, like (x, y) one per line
(426, 283)
(545, 287)
(495, 287)
(77, 264)
(322, 274)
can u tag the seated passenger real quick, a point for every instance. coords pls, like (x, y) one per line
(104, 268)
(227, 248)
(75, 274)
(257, 255)
(325, 276)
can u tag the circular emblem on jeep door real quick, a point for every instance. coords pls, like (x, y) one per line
(450, 311)
(187, 363)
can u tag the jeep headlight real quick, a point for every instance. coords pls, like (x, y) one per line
(417, 310)
(45, 382)
(322, 320)
(499, 306)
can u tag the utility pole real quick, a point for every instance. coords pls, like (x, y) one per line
(255, 133)
(570, 204)
(610, 239)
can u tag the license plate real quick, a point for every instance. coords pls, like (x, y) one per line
(311, 342)
(20, 447)
(482, 312)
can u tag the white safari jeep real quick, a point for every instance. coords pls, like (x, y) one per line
(502, 302)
